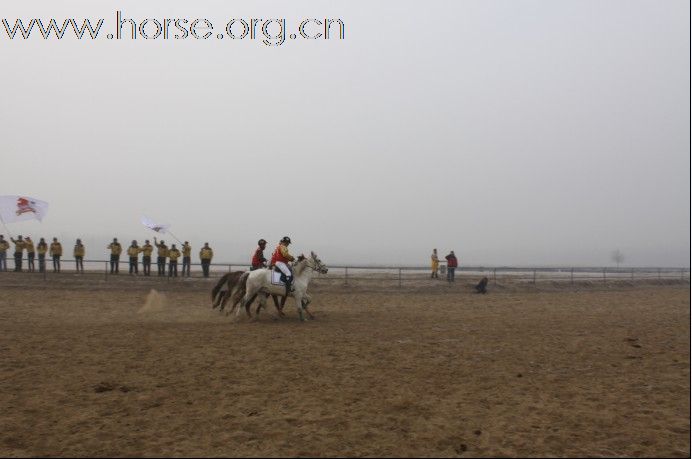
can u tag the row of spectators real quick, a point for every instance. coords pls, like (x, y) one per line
(166, 256)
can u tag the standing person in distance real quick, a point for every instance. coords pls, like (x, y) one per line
(4, 245)
(451, 266)
(434, 264)
(79, 252)
(205, 256)
(56, 253)
(116, 249)
(187, 258)
(147, 249)
(162, 253)
(18, 252)
(42, 249)
(173, 255)
(133, 253)
(30, 253)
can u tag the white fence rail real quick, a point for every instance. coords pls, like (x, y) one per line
(398, 275)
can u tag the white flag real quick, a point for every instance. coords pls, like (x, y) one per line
(158, 227)
(20, 208)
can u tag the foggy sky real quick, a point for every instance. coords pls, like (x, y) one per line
(512, 132)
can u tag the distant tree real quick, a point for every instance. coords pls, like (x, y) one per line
(618, 257)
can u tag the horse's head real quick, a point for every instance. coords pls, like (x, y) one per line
(316, 264)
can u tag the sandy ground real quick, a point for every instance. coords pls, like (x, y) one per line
(432, 372)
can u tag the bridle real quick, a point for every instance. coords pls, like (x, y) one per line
(316, 265)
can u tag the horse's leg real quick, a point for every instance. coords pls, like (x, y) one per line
(262, 304)
(306, 302)
(247, 301)
(223, 300)
(299, 302)
(280, 309)
(237, 297)
(217, 300)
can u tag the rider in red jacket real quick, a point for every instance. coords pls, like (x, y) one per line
(280, 259)
(258, 260)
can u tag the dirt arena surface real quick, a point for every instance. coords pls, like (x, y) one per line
(430, 372)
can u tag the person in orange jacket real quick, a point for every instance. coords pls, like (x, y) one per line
(280, 259)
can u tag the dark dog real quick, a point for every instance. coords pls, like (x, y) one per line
(481, 287)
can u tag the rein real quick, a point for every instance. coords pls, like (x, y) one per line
(309, 262)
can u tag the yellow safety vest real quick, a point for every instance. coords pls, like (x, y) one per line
(115, 247)
(56, 248)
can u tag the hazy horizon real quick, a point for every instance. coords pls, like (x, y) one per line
(516, 133)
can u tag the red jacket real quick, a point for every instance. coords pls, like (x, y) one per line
(278, 256)
(258, 258)
(451, 261)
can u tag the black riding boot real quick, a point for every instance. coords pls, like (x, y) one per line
(289, 282)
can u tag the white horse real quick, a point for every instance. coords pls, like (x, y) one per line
(259, 281)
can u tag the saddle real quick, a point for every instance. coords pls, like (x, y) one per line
(278, 277)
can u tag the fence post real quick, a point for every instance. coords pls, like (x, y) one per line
(534, 277)
(682, 274)
(659, 273)
(495, 276)
(399, 277)
(346, 276)
(604, 276)
(105, 271)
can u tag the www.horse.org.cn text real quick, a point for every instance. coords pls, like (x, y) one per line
(270, 32)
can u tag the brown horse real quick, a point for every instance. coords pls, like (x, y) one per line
(219, 295)
(235, 280)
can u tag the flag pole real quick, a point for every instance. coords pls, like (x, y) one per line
(6, 228)
(175, 238)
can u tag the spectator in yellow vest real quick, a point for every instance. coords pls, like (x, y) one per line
(30, 253)
(173, 255)
(18, 251)
(116, 249)
(56, 253)
(133, 253)
(162, 253)
(187, 258)
(4, 245)
(147, 248)
(79, 252)
(42, 249)
(205, 256)
(434, 264)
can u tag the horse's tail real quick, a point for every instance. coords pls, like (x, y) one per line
(217, 290)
